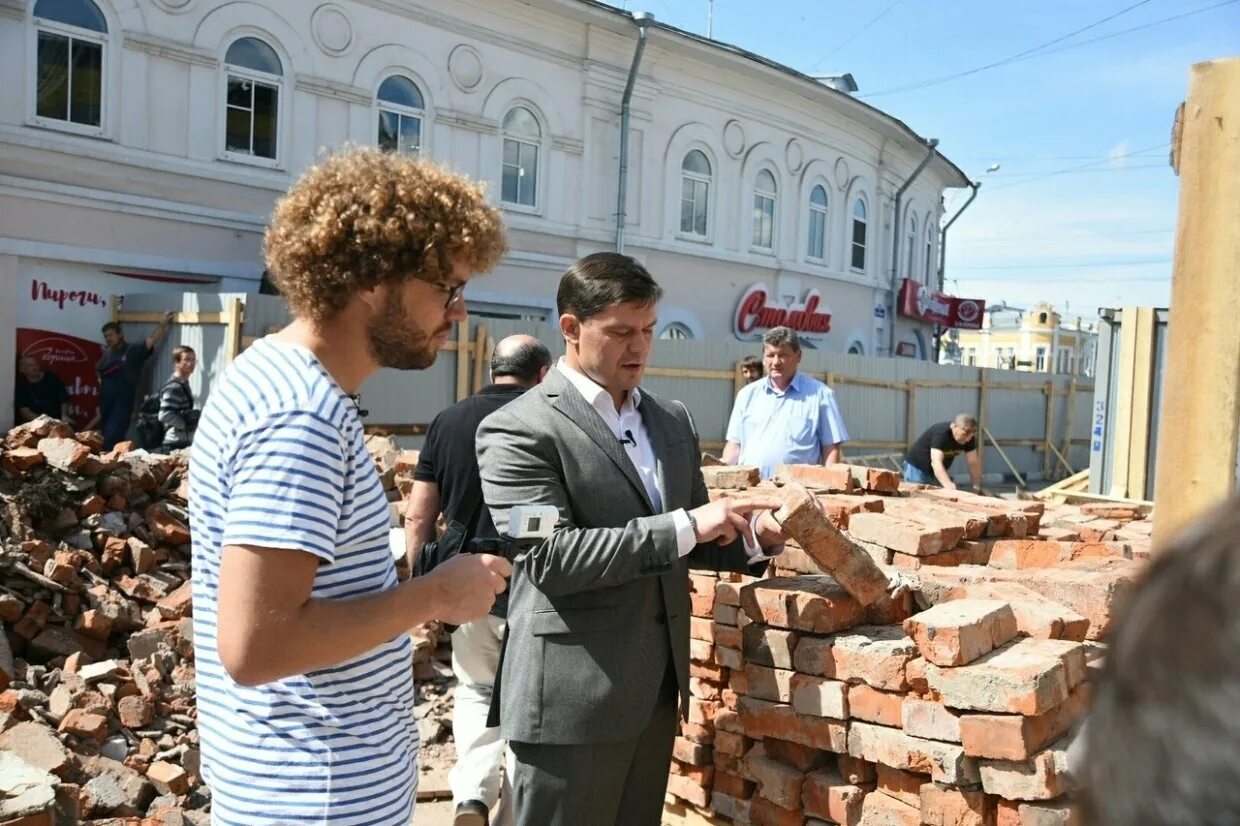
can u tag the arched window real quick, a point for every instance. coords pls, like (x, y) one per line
(676, 332)
(817, 223)
(72, 39)
(764, 195)
(932, 271)
(400, 115)
(254, 80)
(695, 176)
(858, 234)
(522, 140)
(856, 349)
(910, 255)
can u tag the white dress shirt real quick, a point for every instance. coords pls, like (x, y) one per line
(630, 430)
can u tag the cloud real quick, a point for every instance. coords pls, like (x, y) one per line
(1118, 156)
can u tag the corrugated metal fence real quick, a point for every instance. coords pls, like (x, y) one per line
(1039, 422)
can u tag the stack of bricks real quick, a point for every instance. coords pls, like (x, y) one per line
(954, 706)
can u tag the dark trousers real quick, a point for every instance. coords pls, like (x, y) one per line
(599, 784)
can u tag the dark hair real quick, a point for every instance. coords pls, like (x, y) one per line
(753, 363)
(604, 280)
(181, 351)
(1160, 741)
(782, 337)
(523, 362)
(113, 326)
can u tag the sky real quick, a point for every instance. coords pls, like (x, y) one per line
(1081, 212)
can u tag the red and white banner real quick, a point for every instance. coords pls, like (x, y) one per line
(811, 318)
(918, 301)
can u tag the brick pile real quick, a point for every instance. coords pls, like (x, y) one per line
(98, 721)
(954, 705)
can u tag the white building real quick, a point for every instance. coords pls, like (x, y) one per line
(143, 142)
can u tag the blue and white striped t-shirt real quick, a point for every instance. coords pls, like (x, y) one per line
(279, 462)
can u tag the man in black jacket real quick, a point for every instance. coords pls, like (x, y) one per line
(446, 481)
(176, 402)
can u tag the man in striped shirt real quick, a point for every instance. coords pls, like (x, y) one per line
(176, 402)
(305, 685)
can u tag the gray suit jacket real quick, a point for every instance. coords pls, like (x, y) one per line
(596, 610)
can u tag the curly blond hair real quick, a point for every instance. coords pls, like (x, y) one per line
(363, 217)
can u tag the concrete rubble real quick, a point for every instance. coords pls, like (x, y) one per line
(820, 699)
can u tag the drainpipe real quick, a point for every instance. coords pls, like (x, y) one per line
(643, 21)
(895, 245)
(975, 186)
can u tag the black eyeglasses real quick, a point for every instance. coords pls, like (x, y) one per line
(454, 291)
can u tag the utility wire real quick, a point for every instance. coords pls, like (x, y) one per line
(857, 33)
(1032, 175)
(1073, 169)
(1073, 265)
(1043, 49)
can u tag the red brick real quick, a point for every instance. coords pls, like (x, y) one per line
(874, 706)
(701, 650)
(1036, 616)
(701, 605)
(762, 720)
(1044, 777)
(712, 672)
(883, 810)
(729, 657)
(728, 636)
(704, 776)
(733, 785)
(876, 655)
(944, 806)
(736, 745)
(774, 684)
(944, 762)
(946, 559)
(698, 733)
(849, 565)
(84, 724)
(727, 477)
(1027, 677)
(686, 789)
(19, 460)
(777, 782)
(957, 632)
(726, 616)
(731, 808)
(772, 647)
(728, 593)
(802, 758)
(903, 786)
(134, 712)
(113, 554)
(1012, 737)
(765, 813)
(897, 534)
(94, 624)
(813, 605)
(931, 721)
(1050, 813)
(700, 628)
(819, 697)
(64, 454)
(703, 711)
(826, 795)
(704, 690)
(856, 771)
(165, 527)
(817, 477)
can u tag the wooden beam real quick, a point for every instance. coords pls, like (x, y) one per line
(232, 335)
(1200, 416)
(480, 360)
(1062, 459)
(1142, 400)
(144, 317)
(910, 415)
(738, 380)
(1050, 428)
(463, 357)
(1069, 418)
(983, 399)
(688, 373)
(1020, 480)
(1121, 417)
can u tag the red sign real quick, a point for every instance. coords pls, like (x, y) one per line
(810, 318)
(73, 361)
(918, 301)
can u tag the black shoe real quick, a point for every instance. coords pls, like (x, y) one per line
(472, 813)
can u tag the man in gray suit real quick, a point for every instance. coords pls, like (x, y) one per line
(596, 661)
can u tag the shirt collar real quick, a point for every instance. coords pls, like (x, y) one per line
(595, 394)
(795, 384)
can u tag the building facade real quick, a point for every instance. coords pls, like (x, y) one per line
(1035, 342)
(143, 143)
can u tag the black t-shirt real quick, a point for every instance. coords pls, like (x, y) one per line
(44, 396)
(449, 460)
(120, 370)
(939, 436)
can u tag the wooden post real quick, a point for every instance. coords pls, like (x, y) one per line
(1197, 451)
(738, 380)
(1121, 420)
(463, 358)
(1069, 420)
(1020, 480)
(114, 305)
(910, 414)
(1142, 398)
(1050, 429)
(480, 360)
(232, 335)
(982, 399)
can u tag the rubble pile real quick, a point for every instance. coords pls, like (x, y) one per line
(827, 699)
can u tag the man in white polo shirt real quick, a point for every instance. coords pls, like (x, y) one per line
(305, 683)
(786, 418)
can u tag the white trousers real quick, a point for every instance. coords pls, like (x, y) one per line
(480, 751)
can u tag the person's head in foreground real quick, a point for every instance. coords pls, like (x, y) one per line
(1163, 739)
(382, 244)
(608, 305)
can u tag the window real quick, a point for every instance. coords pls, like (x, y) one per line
(522, 138)
(1039, 363)
(911, 253)
(764, 194)
(1062, 360)
(676, 332)
(855, 349)
(931, 270)
(72, 35)
(254, 78)
(858, 235)
(970, 356)
(400, 115)
(817, 223)
(694, 194)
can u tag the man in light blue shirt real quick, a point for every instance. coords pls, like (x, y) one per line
(786, 418)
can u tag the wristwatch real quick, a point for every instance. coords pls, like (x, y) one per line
(693, 523)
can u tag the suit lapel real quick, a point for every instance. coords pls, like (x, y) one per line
(568, 401)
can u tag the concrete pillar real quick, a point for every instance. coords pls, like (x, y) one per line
(1198, 439)
(8, 338)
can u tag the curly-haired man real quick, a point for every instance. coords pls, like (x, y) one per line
(305, 688)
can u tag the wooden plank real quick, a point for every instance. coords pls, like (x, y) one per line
(232, 335)
(1069, 419)
(1121, 419)
(738, 380)
(1020, 480)
(481, 362)
(1142, 399)
(1062, 459)
(1050, 428)
(910, 415)
(861, 381)
(145, 317)
(687, 373)
(965, 385)
(983, 398)
(462, 360)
